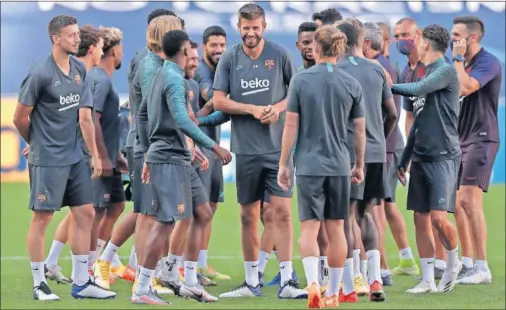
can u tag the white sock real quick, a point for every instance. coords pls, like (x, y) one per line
(452, 257)
(181, 262)
(251, 269)
(335, 278)
(427, 269)
(170, 267)
(356, 263)
(263, 259)
(406, 253)
(440, 264)
(482, 265)
(277, 256)
(110, 250)
(54, 254)
(385, 272)
(38, 273)
(92, 258)
(137, 272)
(100, 246)
(310, 264)
(363, 269)
(158, 269)
(467, 262)
(286, 269)
(323, 272)
(164, 260)
(116, 262)
(133, 258)
(80, 269)
(373, 256)
(190, 273)
(348, 278)
(203, 259)
(144, 281)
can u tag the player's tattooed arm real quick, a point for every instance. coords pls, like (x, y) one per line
(229, 106)
(206, 109)
(214, 119)
(436, 80)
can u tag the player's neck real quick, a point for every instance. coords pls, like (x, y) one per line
(108, 66)
(325, 60)
(62, 59)
(255, 52)
(308, 64)
(88, 63)
(471, 52)
(413, 58)
(354, 51)
(209, 64)
(432, 57)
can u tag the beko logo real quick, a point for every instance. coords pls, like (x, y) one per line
(70, 101)
(257, 85)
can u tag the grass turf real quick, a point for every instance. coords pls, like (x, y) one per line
(225, 256)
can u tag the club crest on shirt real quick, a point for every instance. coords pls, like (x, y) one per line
(269, 64)
(190, 95)
(180, 209)
(77, 79)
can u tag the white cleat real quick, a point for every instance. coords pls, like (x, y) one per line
(449, 278)
(477, 276)
(243, 290)
(291, 290)
(54, 273)
(423, 287)
(196, 292)
(44, 293)
(91, 290)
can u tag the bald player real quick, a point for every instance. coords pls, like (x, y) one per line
(405, 32)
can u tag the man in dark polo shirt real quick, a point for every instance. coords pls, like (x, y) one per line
(479, 75)
(405, 32)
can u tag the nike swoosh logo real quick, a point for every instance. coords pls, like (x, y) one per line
(82, 261)
(254, 266)
(35, 269)
(190, 268)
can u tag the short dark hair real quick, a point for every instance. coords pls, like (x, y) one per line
(473, 24)
(172, 42)
(307, 27)
(351, 33)
(89, 36)
(159, 12)
(213, 31)
(438, 37)
(317, 16)
(251, 11)
(182, 22)
(58, 22)
(193, 44)
(330, 16)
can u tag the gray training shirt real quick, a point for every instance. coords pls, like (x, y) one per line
(106, 102)
(134, 94)
(204, 76)
(326, 99)
(87, 101)
(55, 98)
(376, 92)
(260, 82)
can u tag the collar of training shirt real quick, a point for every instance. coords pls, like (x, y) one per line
(172, 65)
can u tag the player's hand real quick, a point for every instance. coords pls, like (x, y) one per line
(459, 47)
(106, 167)
(357, 175)
(200, 159)
(224, 155)
(271, 115)
(259, 112)
(25, 151)
(122, 164)
(145, 177)
(98, 170)
(285, 178)
(401, 174)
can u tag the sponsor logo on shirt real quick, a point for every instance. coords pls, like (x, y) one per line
(256, 85)
(418, 105)
(70, 101)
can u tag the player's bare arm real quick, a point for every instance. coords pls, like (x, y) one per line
(229, 106)
(359, 145)
(22, 120)
(206, 109)
(409, 122)
(99, 141)
(88, 131)
(390, 116)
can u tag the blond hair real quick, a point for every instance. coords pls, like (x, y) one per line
(111, 37)
(331, 40)
(157, 28)
(360, 27)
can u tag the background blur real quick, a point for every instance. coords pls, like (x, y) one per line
(24, 40)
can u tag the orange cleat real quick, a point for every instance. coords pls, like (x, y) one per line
(314, 296)
(377, 293)
(128, 274)
(350, 298)
(330, 302)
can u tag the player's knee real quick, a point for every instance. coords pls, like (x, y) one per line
(41, 220)
(267, 215)
(466, 204)
(204, 214)
(248, 217)
(437, 219)
(84, 215)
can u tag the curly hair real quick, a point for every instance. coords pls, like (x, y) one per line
(438, 37)
(112, 36)
(89, 36)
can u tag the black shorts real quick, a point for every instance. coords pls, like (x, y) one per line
(433, 185)
(172, 191)
(323, 197)
(51, 188)
(477, 164)
(257, 174)
(143, 197)
(373, 186)
(212, 178)
(108, 190)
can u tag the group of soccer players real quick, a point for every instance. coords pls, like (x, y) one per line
(336, 121)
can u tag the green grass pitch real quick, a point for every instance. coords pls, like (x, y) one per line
(225, 256)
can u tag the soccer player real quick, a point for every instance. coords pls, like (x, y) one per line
(365, 196)
(321, 102)
(214, 44)
(126, 226)
(433, 147)
(48, 111)
(168, 161)
(90, 52)
(479, 75)
(394, 145)
(305, 39)
(405, 32)
(327, 17)
(256, 75)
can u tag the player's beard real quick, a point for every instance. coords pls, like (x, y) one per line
(211, 59)
(255, 44)
(118, 66)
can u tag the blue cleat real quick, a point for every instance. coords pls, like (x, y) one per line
(261, 279)
(276, 281)
(91, 290)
